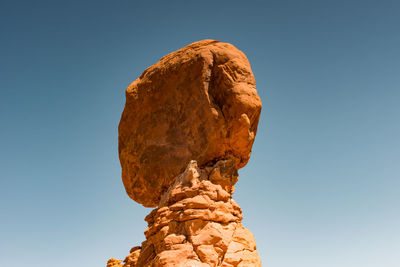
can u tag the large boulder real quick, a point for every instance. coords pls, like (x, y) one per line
(198, 103)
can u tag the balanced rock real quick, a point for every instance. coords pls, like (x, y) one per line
(198, 103)
(188, 125)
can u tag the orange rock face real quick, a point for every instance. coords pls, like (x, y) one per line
(188, 125)
(198, 103)
(197, 223)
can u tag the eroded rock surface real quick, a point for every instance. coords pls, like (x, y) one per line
(197, 223)
(198, 103)
(188, 125)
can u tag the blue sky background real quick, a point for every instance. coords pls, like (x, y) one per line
(322, 188)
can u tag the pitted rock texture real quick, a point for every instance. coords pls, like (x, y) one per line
(198, 103)
(196, 224)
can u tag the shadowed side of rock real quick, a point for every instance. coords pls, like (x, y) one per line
(197, 223)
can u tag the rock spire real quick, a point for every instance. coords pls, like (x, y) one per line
(188, 125)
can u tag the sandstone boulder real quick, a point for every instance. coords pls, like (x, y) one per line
(198, 103)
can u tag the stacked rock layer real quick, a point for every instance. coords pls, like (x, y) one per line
(197, 223)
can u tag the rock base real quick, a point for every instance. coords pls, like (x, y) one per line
(197, 223)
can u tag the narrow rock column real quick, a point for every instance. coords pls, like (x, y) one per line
(197, 223)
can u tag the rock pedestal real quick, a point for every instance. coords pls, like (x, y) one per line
(197, 223)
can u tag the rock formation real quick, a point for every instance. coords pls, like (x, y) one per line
(188, 125)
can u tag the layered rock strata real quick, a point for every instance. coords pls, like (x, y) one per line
(197, 223)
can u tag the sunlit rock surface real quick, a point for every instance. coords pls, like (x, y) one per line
(188, 125)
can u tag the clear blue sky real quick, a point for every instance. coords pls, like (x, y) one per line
(322, 188)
